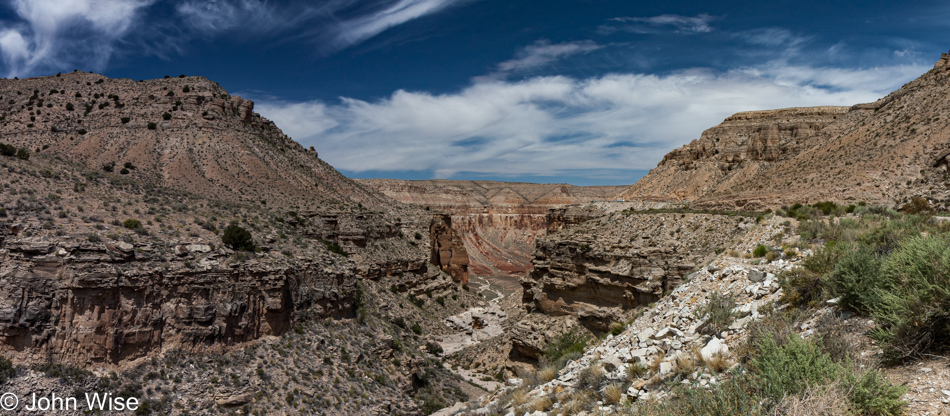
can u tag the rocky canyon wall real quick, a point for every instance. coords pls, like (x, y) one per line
(498, 222)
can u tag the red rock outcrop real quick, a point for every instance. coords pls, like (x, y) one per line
(497, 221)
(448, 251)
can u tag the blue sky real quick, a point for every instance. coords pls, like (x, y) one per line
(584, 91)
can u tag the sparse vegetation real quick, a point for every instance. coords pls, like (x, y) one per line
(237, 238)
(719, 313)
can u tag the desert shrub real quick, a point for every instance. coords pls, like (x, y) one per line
(335, 248)
(857, 279)
(591, 378)
(151, 126)
(826, 207)
(805, 285)
(7, 150)
(417, 329)
(917, 205)
(615, 328)
(126, 120)
(132, 224)
(719, 312)
(760, 250)
(567, 346)
(913, 309)
(23, 154)
(434, 349)
(166, 116)
(873, 395)
(237, 238)
(790, 368)
(7, 370)
(635, 371)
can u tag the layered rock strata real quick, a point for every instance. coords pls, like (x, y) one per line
(604, 266)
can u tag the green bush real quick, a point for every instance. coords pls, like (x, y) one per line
(857, 279)
(7, 370)
(826, 207)
(23, 154)
(417, 329)
(719, 312)
(7, 150)
(237, 238)
(873, 395)
(151, 126)
(132, 224)
(760, 250)
(914, 306)
(335, 248)
(790, 368)
(567, 346)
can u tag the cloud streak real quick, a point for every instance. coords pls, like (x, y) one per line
(540, 54)
(547, 126)
(662, 23)
(55, 33)
(356, 30)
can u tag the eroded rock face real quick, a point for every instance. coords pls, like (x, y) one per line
(66, 299)
(499, 244)
(448, 252)
(498, 222)
(88, 303)
(598, 269)
(732, 151)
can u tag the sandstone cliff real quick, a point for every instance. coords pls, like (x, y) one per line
(733, 151)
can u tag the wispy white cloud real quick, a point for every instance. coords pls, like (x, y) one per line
(539, 54)
(51, 33)
(358, 29)
(772, 37)
(331, 25)
(550, 125)
(700, 23)
(213, 16)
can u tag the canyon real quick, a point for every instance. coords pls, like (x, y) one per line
(499, 222)
(384, 296)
